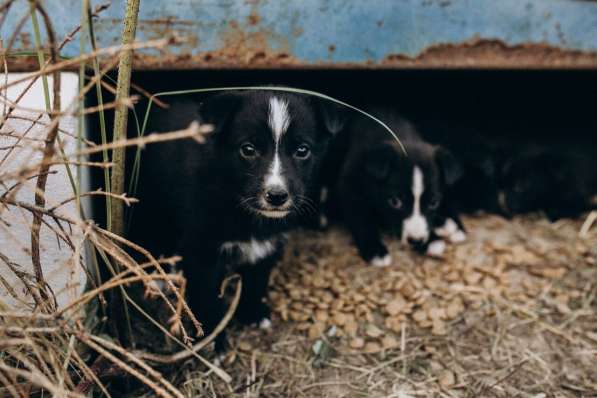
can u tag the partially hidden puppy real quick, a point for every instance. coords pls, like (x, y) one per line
(561, 183)
(225, 206)
(380, 187)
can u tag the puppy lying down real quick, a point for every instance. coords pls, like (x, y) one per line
(379, 188)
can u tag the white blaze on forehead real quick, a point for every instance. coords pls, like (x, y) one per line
(278, 120)
(415, 226)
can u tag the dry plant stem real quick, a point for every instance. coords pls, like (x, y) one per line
(110, 88)
(84, 338)
(21, 137)
(126, 200)
(4, 8)
(121, 114)
(101, 367)
(54, 124)
(67, 39)
(152, 372)
(168, 278)
(47, 156)
(107, 51)
(194, 131)
(100, 108)
(179, 356)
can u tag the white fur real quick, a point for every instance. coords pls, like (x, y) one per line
(273, 213)
(450, 227)
(279, 118)
(458, 236)
(436, 248)
(219, 360)
(451, 231)
(278, 121)
(265, 324)
(274, 177)
(381, 261)
(251, 251)
(415, 226)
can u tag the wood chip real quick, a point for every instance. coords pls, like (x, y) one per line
(373, 331)
(316, 330)
(389, 342)
(244, 345)
(372, 347)
(339, 319)
(396, 306)
(357, 343)
(351, 328)
(419, 316)
(447, 379)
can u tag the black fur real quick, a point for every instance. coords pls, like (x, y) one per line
(202, 196)
(375, 173)
(559, 182)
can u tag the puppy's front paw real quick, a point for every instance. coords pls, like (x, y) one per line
(382, 261)
(451, 231)
(458, 236)
(436, 248)
(265, 324)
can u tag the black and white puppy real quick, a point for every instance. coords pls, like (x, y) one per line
(225, 205)
(559, 182)
(382, 188)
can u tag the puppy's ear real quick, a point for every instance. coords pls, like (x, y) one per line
(332, 115)
(450, 166)
(218, 109)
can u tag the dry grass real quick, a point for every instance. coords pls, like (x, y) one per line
(50, 345)
(531, 334)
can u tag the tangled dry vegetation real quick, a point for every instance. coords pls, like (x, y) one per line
(510, 313)
(52, 334)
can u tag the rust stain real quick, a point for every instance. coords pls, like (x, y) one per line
(254, 50)
(22, 63)
(253, 18)
(25, 40)
(251, 50)
(483, 53)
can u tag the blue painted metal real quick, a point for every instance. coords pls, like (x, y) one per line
(329, 32)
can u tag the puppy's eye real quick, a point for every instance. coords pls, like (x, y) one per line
(248, 151)
(433, 204)
(395, 202)
(302, 151)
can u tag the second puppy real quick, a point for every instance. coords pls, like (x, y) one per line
(380, 187)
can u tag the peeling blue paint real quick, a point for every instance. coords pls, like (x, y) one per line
(336, 31)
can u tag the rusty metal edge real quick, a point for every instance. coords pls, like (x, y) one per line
(472, 54)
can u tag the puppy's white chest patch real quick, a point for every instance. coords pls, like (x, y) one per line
(251, 251)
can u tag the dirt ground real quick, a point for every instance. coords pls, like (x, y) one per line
(509, 313)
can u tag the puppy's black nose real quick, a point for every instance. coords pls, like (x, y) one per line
(417, 244)
(276, 196)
